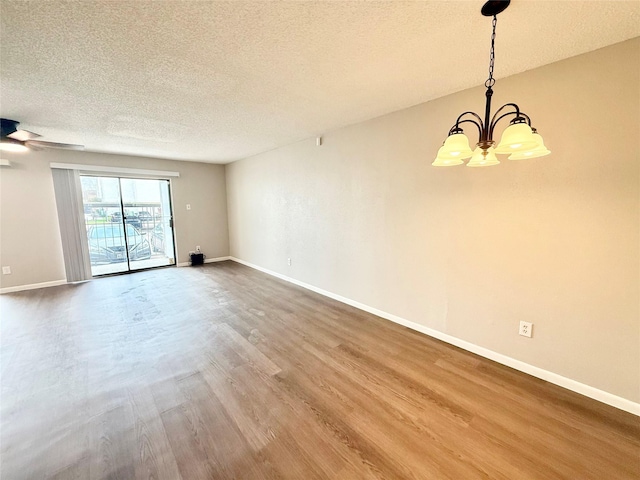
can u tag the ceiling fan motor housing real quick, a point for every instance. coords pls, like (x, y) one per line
(7, 127)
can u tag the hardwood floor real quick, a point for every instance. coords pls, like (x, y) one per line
(223, 372)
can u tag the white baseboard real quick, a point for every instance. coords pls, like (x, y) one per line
(206, 260)
(32, 286)
(569, 384)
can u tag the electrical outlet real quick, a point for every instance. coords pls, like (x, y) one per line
(188, 206)
(6, 270)
(198, 248)
(289, 261)
(526, 329)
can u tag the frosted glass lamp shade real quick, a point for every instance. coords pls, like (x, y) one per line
(483, 158)
(444, 161)
(516, 138)
(456, 146)
(539, 151)
(10, 145)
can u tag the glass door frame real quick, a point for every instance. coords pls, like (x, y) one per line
(120, 177)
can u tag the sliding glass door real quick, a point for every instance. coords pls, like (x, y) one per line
(129, 223)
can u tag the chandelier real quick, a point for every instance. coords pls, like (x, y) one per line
(519, 140)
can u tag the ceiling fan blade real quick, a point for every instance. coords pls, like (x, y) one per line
(23, 135)
(41, 144)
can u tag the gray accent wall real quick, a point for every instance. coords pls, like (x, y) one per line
(471, 252)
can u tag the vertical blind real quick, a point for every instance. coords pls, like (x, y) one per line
(73, 230)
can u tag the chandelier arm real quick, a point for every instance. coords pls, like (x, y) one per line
(517, 113)
(470, 113)
(495, 115)
(468, 120)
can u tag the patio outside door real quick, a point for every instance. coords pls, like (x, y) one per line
(129, 223)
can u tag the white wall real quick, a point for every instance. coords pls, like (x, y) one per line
(471, 252)
(29, 233)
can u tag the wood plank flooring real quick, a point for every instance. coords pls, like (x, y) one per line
(223, 372)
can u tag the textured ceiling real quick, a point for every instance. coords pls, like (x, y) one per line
(219, 81)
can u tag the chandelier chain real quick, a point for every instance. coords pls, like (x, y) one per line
(492, 81)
